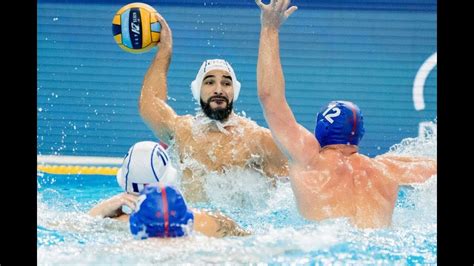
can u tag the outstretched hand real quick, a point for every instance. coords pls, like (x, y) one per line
(275, 13)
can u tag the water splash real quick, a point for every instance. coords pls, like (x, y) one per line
(66, 234)
(425, 145)
(237, 188)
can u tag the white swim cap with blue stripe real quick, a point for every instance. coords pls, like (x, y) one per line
(213, 64)
(146, 162)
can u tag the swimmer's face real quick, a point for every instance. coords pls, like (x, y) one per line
(217, 94)
(217, 88)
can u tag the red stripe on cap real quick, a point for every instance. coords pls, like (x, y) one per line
(164, 145)
(165, 209)
(355, 122)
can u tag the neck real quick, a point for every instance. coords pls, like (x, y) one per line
(223, 121)
(343, 148)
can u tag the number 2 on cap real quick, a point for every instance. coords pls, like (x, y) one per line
(330, 116)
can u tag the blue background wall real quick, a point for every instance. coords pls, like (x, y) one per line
(363, 51)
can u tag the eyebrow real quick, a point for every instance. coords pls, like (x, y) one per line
(208, 76)
(212, 76)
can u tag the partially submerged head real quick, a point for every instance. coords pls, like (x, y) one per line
(216, 88)
(146, 162)
(161, 212)
(339, 122)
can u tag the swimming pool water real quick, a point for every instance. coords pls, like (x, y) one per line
(67, 235)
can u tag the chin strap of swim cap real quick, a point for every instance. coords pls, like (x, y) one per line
(207, 66)
(120, 179)
(170, 176)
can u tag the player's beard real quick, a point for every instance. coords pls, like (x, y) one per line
(219, 114)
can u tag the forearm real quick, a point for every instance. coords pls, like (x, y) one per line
(270, 80)
(227, 227)
(154, 110)
(112, 207)
(216, 224)
(155, 81)
(102, 210)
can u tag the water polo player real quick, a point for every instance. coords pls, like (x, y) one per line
(148, 177)
(215, 139)
(329, 178)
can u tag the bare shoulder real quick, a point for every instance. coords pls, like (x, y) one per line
(253, 127)
(364, 162)
(361, 158)
(247, 122)
(375, 170)
(185, 118)
(184, 122)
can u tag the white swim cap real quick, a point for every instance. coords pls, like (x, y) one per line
(146, 162)
(207, 66)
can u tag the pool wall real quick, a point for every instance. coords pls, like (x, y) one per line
(368, 52)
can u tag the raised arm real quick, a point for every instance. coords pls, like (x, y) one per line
(408, 170)
(296, 142)
(156, 113)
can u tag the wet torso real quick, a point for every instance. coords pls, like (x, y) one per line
(339, 185)
(203, 149)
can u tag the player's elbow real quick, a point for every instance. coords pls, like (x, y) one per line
(268, 99)
(145, 106)
(264, 94)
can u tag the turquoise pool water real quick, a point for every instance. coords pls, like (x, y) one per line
(67, 235)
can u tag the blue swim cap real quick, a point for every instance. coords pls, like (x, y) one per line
(340, 122)
(161, 212)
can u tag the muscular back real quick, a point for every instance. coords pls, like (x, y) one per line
(339, 185)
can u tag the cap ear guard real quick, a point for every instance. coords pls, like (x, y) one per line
(120, 179)
(170, 177)
(196, 90)
(236, 84)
